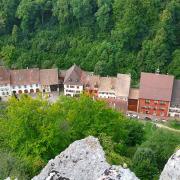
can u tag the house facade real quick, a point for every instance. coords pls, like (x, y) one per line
(113, 90)
(25, 81)
(91, 84)
(133, 100)
(73, 85)
(155, 94)
(49, 80)
(28, 81)
(174, 110)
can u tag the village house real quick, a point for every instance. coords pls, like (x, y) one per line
(133, 100)
(28, 81)
(155, 94)
(49, 80)
(115, 90)
(158, 96)
(5, 89)
(25, 81)
(91, 84)
(73, 85)
(106, 87)
(174, 110)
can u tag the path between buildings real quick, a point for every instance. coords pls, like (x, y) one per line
(166, 127)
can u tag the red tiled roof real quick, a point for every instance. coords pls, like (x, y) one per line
(4, 76)
(49, 76)
(91, 81)
(156, 86)
(25, 76)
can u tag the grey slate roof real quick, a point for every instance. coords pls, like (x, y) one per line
(176, 93)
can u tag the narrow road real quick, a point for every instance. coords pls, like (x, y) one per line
(166, 127)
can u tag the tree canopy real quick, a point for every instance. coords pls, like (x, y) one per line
(33, 131)
(105, 35)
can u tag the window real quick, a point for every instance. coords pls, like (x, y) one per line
(162, 102)
(147, 112)
(25, 86)
(36, 85)
(77, 87)
(71, 86)
(147, 101)
(19, 86)
(162, 114)
(155, 102)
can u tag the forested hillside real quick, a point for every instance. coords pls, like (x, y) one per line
(105, 36)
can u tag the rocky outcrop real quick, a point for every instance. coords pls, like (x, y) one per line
(83, 160)
(172, 168)
(118, 173)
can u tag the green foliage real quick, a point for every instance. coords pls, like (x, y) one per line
(144, 164)
(36, 131)
(105, 36)
(12, 167)
(163, 143)
(174, 67)
(29, 130)
(174, 124)
(32, 131)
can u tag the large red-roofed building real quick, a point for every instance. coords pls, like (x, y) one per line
(155, 94)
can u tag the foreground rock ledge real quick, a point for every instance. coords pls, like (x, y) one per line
(83, 160)
(172, 168)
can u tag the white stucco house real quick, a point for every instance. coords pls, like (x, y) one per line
(25, 81)
(73, 85)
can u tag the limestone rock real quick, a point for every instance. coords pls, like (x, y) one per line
(83, 160)
(118, 173)
(172, 168)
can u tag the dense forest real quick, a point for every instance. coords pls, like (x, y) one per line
(104, 36)
(32, 131)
